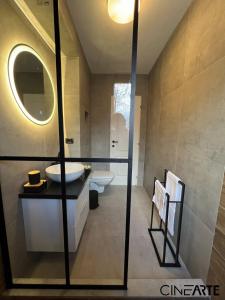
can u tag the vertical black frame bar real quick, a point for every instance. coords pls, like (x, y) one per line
(166, 227)
(180, 221)
(153, 205)
(62, 159)
(61, 136)
(4, 246)
(131, 137)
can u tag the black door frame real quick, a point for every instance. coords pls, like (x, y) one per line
(62, 159)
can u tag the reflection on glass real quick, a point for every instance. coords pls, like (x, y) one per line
(122, 100)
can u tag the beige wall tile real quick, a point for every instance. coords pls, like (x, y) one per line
(185, 129)
(71, 101)
(173, 59)
(76, 87)
(205, 42)
(196, 244)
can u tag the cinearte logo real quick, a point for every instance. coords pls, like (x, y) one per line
(189, 290)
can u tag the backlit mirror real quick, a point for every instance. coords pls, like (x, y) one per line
(31, 84)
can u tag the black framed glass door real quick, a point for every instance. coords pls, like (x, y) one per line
(81, 258)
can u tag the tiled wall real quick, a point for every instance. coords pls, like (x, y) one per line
(101, 93)
(18, 135)
(76, 104)
(85, 107)
(186, 121)
(216, 273)
(71, 101)
(76, 79)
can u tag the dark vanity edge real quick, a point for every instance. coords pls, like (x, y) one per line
(57, 195)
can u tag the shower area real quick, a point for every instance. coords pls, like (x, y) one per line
(93, 108)
(49, 169)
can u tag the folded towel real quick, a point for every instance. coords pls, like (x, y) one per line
(174, 189)
(159, 198)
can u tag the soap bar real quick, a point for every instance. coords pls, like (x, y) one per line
(34, 177)
(35, 188)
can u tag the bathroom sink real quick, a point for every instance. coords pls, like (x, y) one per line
(73, 171)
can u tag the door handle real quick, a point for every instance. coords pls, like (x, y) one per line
(115, 142)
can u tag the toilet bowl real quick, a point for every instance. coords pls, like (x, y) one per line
(99, 179)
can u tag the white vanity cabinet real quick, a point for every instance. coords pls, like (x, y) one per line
(43, 221)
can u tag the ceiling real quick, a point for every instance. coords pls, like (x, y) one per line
(107, 45)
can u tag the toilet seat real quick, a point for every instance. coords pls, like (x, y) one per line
(99, 179)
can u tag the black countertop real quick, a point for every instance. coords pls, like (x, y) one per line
(53, 191)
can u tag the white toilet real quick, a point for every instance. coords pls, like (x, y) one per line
(99, 179)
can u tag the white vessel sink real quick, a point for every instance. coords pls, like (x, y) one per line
(73, 171)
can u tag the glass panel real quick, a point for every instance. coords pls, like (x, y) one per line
(94, 59)
(43, 12)
(122, 101)
(33, 215)
(34, 219)
(29, 116)
(97, 221)
(120, 115)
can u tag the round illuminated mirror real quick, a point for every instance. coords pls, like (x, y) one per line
(31, 84)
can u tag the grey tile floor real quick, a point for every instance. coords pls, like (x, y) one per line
(100, 256)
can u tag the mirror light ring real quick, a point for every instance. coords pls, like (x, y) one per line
(11, 62)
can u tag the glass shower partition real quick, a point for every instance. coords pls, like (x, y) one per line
(75, 232)
(98, 126)
(32, 232)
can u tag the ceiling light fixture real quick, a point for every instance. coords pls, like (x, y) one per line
(121, 11)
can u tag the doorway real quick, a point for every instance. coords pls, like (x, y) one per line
(119, 128)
